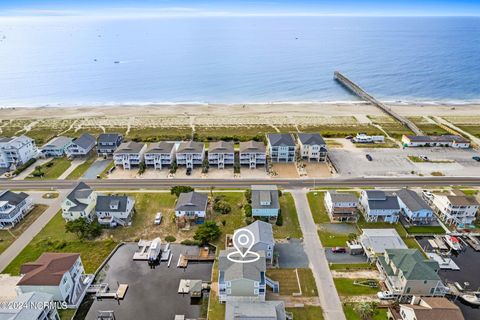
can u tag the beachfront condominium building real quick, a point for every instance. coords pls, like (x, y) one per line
(252, 154)
(221, 153)
(456, 208)
(281, 147)
(56, 148)
(312, 147)
(454, 141)
(341, 206)
(190, 153)
(79, 203)
(30, 306)
(129, 154)
(380, 206)
(16, 151)
(160, 155)
(107, 143)
(414, 208)
(13, 207)
(265, 203)
(81, 146)
(59, 274)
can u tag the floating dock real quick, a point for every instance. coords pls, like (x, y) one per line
(437, 243)
(103, 293)
(356, 89)
(473, 242)
(203, 255)
(443, 262)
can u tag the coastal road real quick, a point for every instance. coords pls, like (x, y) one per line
(329, 300)
(395, 182)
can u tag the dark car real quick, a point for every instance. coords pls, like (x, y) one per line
(369, 157)
(189, 171)
(476, 158)
(349, 137)
(339, 250)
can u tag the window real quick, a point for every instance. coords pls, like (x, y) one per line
(408, 290)
(255, 291)
(228, 283)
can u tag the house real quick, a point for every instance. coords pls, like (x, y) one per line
(375, 241)
(30, 306)
(407, 272)
(253, 154)
(81, 146)
(413, 207)
(107, 143)
(57, 147)
(263, 235)
(160, 155)
(113, 210)
(457, 208)
(281, 147)
(265, 201)
(254, 310)
(190, 153)
(454, 141)
(221, 153)
(16, 151)
(192, 206)
(59, 274)
(129, 154)
(13, 207)
(427, 308)
(341, 206)
(312, 146)
(380, 206)
(241, 281)
(79, 203)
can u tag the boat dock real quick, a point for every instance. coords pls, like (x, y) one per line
(203, 255)
(473, 242)
(437, 243)
(101, 291)
(356, 89)
(445, 263)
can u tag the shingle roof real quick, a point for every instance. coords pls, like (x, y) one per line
(380, 200)
(81, 191)
(48, 269)
(160, 147)
(262, 232)
(108, 137)
(435, 308)
(342, 196)
(192, 201)
(190, 147)
(220, 147)
(281, 139)
(129, 147)
(413, 265)
(85, 141)
(437, 139)
(252, 146)
(12, 197)
(260, 192)
(311, 139)
(57, 142)
(463, 200)
(412, 200)
(104, 202)
(234, 270)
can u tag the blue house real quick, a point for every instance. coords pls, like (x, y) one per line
(265, 201)
(413, 207)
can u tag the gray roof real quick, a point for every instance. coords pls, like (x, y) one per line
(311, 139)
(262, 232)
(342, 196)
(412, 200)
(281, 140)
(220, 147)
(57, 142)
(81, 191)
(377, 240)
(190, 147)
(252, 146)
(234, 270)
(380, 200)
(130, 147)
(260, 193)
(108, 137)
(160, 147)
(254, 310)
(192, 201)
(29, 310)
(104, 202)
(12, 198)
(438, 139)
(85, 141)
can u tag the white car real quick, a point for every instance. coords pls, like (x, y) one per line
(158, 218)
(385, 295)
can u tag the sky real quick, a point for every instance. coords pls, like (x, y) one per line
(129, 8)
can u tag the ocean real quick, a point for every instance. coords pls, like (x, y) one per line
(82, 61)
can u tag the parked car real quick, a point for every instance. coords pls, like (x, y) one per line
(476, 158)
(349, 137)
(369, 157)
(189, 171)
(424, 158)
(385, 295)
(339, 250)
(158, 218)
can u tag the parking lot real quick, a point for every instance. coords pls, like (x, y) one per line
(394, 161)
(152, 293)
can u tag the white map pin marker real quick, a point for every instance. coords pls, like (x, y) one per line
(243, 238)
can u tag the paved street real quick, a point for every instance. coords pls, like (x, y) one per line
(327, 292)
(16, 247)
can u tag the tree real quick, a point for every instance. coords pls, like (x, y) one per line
(141, 168)
(248, 195)
(366, 310)
(222, 206)
(176, 190)
(84, 229)
(248, 210)
(207, 232)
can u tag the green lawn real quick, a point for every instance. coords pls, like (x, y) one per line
(341, 130)
(66, 314)
(287, 278)
(53, 169)
(152, 134)
(330, 239)
(291, 226)
(8, 236)
(306, 313)
(346, 287)
(344, 267)
(53, 238)
(430, 129)
(81, 169)
(351, 314)
(425, 230)
(105, 171)
(317, 206)
(307, 282)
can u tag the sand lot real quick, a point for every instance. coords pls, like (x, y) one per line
(285, 170)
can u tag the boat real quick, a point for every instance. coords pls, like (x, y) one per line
(472, 298)
(453, 242)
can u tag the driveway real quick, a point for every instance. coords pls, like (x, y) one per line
(73, 165)
(25, 173)
(328, 295)
(96, 168)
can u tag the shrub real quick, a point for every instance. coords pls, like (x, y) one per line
(170, 239)
(222, 207)
(209, 231)
(24, 166)
(189, 242)
(84, 229)
(141, 168)
(224, 222)
(248, 210)
(248, 195)
(279, 221)
(176, 190)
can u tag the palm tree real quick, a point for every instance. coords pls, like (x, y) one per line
(366, 310)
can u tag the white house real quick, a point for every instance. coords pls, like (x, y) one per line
(81, 146)
(312, 146)
(79, 203)
(413, 207)
(192, 206)
(341, 206)
(375, 241)
(263, 235)
(129, 154)
(253, 154)
(281, 147)
(16, 151)
(265, 201)
(380, 206)
(190, 153)
(454, 141)
(59, 274)
(456, 209)
(160, 154)
(57, 147)
(221, 153)
(30, 306)
(13, 207)
(113, 210)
